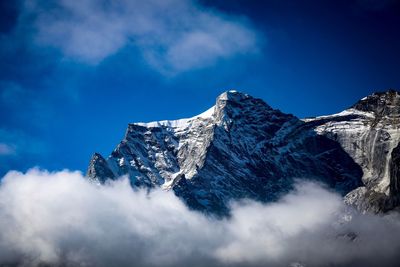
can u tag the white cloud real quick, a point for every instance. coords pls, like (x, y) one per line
(173, 35)
(61, 218)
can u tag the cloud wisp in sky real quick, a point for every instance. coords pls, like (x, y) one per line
(62, 218)
(6, 149)
(173, 35)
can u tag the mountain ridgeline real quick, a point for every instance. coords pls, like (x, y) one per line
(242, 148)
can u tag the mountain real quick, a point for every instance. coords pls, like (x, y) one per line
(369, 132)
(243, 148)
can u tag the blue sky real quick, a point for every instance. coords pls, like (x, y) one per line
(75, 73)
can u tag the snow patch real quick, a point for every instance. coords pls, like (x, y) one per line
(346, 112)
(177, 124)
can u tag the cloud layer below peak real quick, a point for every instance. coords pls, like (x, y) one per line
(61, 218)
(173, 36)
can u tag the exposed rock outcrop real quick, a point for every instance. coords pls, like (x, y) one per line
(369, 132)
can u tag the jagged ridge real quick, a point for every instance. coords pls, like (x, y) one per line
(240, 148)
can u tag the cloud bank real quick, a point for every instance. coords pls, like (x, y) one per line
(60, 218)
(172, 35)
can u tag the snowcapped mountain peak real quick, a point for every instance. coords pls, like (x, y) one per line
(232, 95)
(243, 148)
(233, 105)
(239, 148)
(236, 98)
(229, 104)
(381, 103)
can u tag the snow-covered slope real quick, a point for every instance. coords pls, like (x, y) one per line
(240, 148)
(369, 132)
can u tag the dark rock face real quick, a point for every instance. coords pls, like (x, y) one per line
(98, 169)
(394, 167)
(381, 104)
(240, 148)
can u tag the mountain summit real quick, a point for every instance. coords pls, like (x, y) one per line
(382, 103)
(243, 148)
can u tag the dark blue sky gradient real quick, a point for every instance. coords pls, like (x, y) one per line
(315, 58)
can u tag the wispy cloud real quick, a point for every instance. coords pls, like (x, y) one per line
(172, 35)
(61, 218)
(6, 149)
(16, 143)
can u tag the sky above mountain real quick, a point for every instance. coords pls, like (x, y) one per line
(75, 73)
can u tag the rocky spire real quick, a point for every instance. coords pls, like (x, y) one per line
(98, 169)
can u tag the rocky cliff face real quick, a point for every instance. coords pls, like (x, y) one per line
(240, 148)
(394, 167)
(369, 132)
